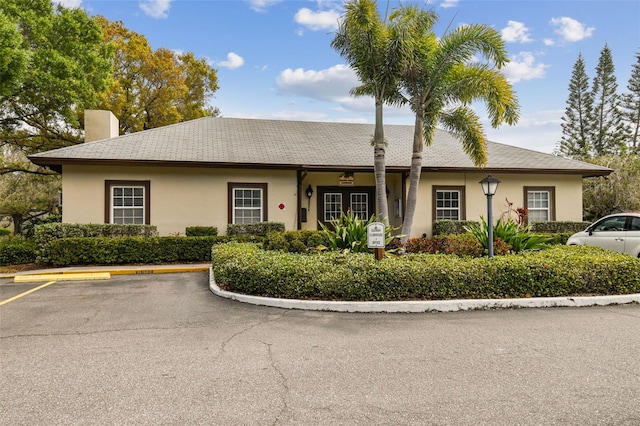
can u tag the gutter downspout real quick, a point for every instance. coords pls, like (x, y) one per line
(405, 176)
(300, 175)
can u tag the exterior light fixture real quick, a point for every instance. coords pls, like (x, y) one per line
(489, 187)
(309, 192)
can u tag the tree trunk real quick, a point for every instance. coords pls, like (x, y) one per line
(18, 220)
(379, 168)
(414, 178)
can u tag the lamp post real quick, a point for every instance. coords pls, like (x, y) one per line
(489, 187)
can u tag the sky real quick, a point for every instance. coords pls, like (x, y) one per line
(274, 58)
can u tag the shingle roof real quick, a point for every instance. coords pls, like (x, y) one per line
(212, 142)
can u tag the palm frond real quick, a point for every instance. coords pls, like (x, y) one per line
(465, 124)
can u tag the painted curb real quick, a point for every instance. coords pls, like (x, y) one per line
(80, 276)
(113, 271)
(420, 306)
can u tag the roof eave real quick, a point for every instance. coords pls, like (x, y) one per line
(56, 164)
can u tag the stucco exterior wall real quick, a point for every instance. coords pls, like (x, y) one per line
(181, 197)
(568, 195)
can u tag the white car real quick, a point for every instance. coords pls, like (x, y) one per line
(618, 232)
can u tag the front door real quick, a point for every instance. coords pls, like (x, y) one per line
(333, 200)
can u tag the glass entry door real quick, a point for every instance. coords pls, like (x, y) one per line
(333, 200)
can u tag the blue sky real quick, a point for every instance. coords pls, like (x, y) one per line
(274, 58)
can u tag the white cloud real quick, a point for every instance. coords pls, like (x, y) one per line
(548, 42)
(321, 20)
(233, 61)
(523, 67)
(446, 4)
(155, 8)
(69, 4)
(515, 32)
(571, 30)
(262, 5)
(331, 84)
(537, 130)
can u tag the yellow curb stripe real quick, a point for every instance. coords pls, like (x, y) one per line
(158, 270)
(4, 302)
(62, 277)
(120, 271)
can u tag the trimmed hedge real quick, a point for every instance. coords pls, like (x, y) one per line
(260, 229)
(17, 251)
(127, 250)
(201, 231)
(448, 227)
(559, 227)
(295, 241)
(559, 271)
(132, 250)
(456, 244)
(29, 227)
(46, 234)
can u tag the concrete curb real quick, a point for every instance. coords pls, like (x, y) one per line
(419, 306)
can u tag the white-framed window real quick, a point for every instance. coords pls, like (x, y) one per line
(247, 203)
(127, 202)
(540, 204)
(360, 205)
(448, 203)
(332, 205)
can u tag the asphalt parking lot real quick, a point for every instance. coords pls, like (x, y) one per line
(162, 349)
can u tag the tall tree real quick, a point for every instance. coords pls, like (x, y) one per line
(576, 122)
(25, 196)
(607, 135)
(375, 53)
(13, 56)
(615, 193)
(441, 81)
(153, 88)
(64, 64)
(631, 106)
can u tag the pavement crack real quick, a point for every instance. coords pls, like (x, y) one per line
(225, 343)
(94, 332)
(284, 382)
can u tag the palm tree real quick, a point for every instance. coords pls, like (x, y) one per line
(374, 51)
(442, 78)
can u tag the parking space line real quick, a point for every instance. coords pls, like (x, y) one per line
(4, 302)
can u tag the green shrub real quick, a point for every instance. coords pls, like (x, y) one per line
(558, 227)
(448, 227)
(45, 234)
(130, 250)
(511, 233)
(349, 233)
(201, 231)
(260, 229)
(558, 238)
(295, 241)
(559, 271)
(17, 251)
(457, 244)
(29, 227)
(4, 232)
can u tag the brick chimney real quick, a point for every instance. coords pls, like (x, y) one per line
(99, 124)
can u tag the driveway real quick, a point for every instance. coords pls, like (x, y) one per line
(162, 349)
